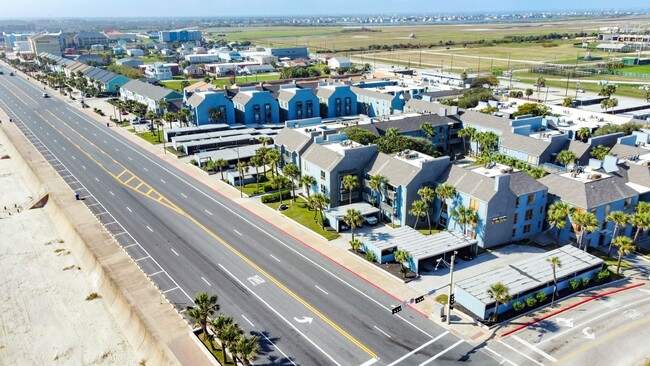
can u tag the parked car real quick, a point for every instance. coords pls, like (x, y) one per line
(45, 95)
(2, 72)
(370, 220)
(11, 74)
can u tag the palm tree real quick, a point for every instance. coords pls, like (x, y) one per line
(565, 157)
(354, 219)
(261, 152)
(464, 215)
(620, 219)
(319, 202)
(272, 157)
(215, 114)
(582, 223)
(242, 168)
(376, 184)
(221, 163)
(428, 130)
(500, 294)
(557, 216)
(279, 182)
(427, 195)
(419, 209)
(158, 124)
(256, 162)
(264, 140)
(402, 256)
(467, 132)
(162, 106)
(567, 102)
(184, 115)
(293, 172)
(350, 182)
(218, 325)
(555, 263)
(307, 181)
(487, 141)
(583, 133)
(229, 337)
(625, 246)
(640, 220)
(205, 306)
(444, 192)
(247, 348)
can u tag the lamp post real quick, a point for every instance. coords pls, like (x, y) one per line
(451, 281)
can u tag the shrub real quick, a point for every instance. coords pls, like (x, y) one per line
(518, 306)
(370, 256)
(541, 296)
(531, 301)
(275, 197)
(442, 298)
(268, 188)
(585, 282)
(194, 162)
(92, 296)
(603, 275)
(574, 284)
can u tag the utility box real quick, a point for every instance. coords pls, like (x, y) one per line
(438, 311)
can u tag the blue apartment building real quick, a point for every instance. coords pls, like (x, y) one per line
(253, 106)
(297, 103)
(373, 103)
(336, 100)
(181, 35)
(203, 104)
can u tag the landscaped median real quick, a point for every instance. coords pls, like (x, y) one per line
(300, 212)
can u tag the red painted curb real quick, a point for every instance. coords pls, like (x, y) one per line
(287, 233)
(570, 307)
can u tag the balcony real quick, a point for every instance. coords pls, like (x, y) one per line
(392, 195)
(387, 208)
(345, 196)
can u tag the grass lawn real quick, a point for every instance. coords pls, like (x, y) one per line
(611, 261)
(621, 89)
(151, 137)
(214, 348)
(220, 82)
(299, 212)
(642, 69)
(176, 84)
(425, 230)
(174, 151)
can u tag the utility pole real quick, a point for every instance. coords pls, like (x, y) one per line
(451, 286)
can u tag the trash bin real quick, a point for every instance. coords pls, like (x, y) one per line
(76, 196)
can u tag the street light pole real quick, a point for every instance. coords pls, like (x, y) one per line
(451, 285)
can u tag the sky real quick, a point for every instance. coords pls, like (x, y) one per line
(166, 8)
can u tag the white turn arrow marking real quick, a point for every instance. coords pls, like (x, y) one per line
(565, 322)
(588, 334)
(645, 290)
(304, 319)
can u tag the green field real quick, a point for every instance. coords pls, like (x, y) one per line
(643, 69)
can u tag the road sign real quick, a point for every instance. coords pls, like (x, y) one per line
(419, 299)
(431, 292)
(397, 309)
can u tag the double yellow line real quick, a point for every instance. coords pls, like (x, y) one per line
(167, 203)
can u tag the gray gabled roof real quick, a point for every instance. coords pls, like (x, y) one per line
(242, 98)
(323, 92)
(468, 182)
(292, 140)
(623, 151)
(526, 144)
(522, 183)
(286, 95)
(581, 149)
(486, 120)
(372, 94)
(150, 91)
(590, 194)
(322, 157)
(196, 99)
(397, 172)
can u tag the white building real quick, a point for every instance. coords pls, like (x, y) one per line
(135, 52)
(158, 71)
(336, 62)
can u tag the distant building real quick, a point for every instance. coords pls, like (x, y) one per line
(613, 47)
(148, 94)
(130, 62)
(158, 71)
(46, 42)
(135, 52)
(193, 71)
(181, 35)
(210, 107)
(336, 62)
(87, 39)
(253, 106)
(289, 52)
(336, 100)
(97, 47)
(296, 103)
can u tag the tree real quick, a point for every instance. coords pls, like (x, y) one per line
(463, 76)
(555, 263)
(242, 168)
(219, 325)
(620, 219)
(162, 106)
(599, 152)
(566, 157)
(557, 216)
(444, 192)
(229, 337)
(428, 130)
(184, 84)
(402, 256)
(625, 246)
(184, 116)
(376, 184)
(463, 216)
(158, 123)
(533, 109)
(307, 181)
(350, 182)
(319, 203)
(467, 133)
(170, 117)
(355, 245)
(583, 133)
(359, 135)
(256, 162)
(427, 195)
(567, 102)
(607, 90)
(582, 223)
(247, 348)
(487, 141)
(273, 157)
(640, 220)
(264, 140)
(261, 152)
(292, 172)
(529, 92)
(353, 219)
(205, 306)
(279, 182)
(419, 209)
(500, 293)
(221, 163)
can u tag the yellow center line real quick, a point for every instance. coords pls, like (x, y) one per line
(604, 339)
(173, 207)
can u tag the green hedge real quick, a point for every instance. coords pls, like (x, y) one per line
(275, 197)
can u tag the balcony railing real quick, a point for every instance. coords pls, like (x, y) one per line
(387, 208)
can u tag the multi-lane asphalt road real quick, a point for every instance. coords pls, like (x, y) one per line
(190, 239)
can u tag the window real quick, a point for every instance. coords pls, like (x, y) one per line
(514, 232)
(517, 202)
(529, 214)
(531, 199)
(628, 203)
(299, 110)
(348, 106)
(608, 208)
(310, 109)
(527, 229)
(338, 107)
(256, 110)
(269, 114)
(541, 210)
(516, 218)
(322, 174)
(322, 189)
(473, 204)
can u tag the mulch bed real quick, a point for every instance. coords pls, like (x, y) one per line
(392, 268)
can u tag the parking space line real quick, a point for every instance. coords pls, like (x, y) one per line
(171, 289)
(382, 332)
(503, 359)
(546, 355)
(137, 260)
